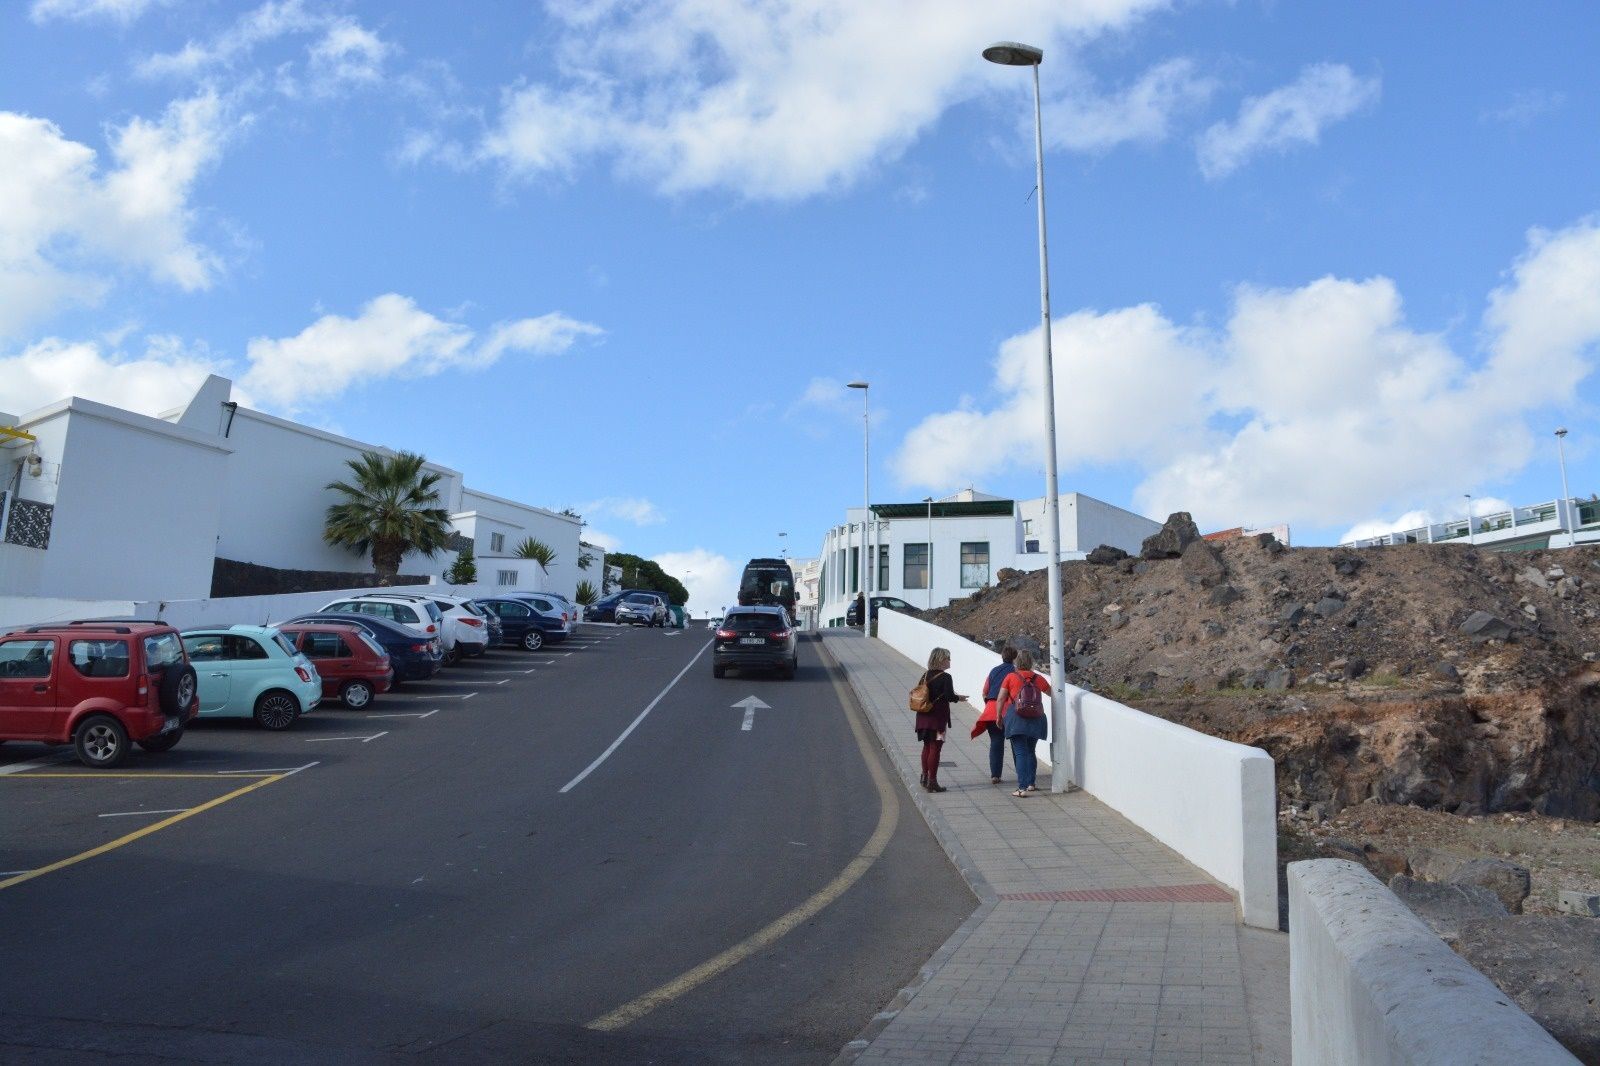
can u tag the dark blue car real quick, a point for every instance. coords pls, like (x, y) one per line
(413, 658)
(524, 626)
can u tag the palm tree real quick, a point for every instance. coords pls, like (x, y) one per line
(586, 595)
(389, 508)
(537, 550)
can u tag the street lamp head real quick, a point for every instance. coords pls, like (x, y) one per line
(1561, 432)
(1012, 54)
(857, 385)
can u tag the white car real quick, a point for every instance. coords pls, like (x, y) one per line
(419, 614)
(464, 620)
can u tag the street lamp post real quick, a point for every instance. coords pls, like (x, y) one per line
(1471, 533)
(866, 500)
(1561, 508)
(1062, 757)
(927, 560)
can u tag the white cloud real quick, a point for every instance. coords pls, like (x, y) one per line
(344, 54)
(123, 11)
(1142, 112)
(165, 376)
(602, 539)
(1296, 113)
(1312, 405)
(391, 336)
(1524, 106)
(1425, 516)
(712, 579)
(769, 99)
(632, 509)
(63, 222)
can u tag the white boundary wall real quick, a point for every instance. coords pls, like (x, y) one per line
(1369, 984)
(1212, 801)
(18, 611)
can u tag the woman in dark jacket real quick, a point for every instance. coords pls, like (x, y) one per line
(931, 724)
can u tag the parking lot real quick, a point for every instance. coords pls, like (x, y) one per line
(572, 855)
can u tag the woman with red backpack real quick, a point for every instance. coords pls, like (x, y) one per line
(1021, 708)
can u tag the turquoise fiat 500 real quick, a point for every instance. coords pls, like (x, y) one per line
(252, 672)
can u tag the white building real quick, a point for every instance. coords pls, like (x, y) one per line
(1552, 524)
(807, 588)
(102, 503)
(973, 537)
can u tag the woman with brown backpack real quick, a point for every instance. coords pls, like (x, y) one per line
(1021, 708)
(931, 699)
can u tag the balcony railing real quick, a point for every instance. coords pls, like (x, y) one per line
(27, 522)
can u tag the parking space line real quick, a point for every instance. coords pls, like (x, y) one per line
(406, 714)
(100, 775)
(286, 771)
(364, 740)
(615, 744)
(24, 767)
(135, 814)
(137, 834)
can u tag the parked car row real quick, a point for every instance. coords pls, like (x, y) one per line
(103, 686)
(633, 607)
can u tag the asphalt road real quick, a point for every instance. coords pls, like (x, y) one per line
(431, 892)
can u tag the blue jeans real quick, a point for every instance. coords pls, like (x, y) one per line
(1027, 762)
(997, 750)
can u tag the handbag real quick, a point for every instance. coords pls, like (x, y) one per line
(920, 701)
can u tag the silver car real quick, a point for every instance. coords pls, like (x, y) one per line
(640, 607)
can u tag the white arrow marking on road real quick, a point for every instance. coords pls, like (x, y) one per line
(750, 705)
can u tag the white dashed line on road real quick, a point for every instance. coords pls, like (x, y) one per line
(35, 764)
(406, 714)
(364, 740)
(135, 814)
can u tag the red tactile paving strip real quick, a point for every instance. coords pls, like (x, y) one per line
(1162, 894)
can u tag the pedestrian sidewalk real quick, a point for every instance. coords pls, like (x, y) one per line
(1092, 943)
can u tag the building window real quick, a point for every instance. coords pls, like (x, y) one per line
(506, 577)
(1027, 527)
(855, 569)
(497, 542)
(915, 570)
(883, 568)
(974, 564)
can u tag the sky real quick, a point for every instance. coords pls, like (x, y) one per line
(1332, 265)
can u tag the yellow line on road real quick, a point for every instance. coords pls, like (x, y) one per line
(888, 816)
(138, 833)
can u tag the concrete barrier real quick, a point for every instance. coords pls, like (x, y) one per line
(1210, 800)
(1370, 984)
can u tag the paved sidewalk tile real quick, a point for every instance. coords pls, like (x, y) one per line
(1147, 970)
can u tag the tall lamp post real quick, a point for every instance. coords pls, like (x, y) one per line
(783, 545)
(866, 500)
(1472, 535)
(1561, 455)
(927, 562)
(1062, 757)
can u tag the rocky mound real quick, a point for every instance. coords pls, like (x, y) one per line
(1438, 675)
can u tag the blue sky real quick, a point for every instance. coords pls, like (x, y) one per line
(1325, 264)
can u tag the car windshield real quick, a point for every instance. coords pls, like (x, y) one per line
(162, 650)
(377, 649)
(283, 642)
(765, 582)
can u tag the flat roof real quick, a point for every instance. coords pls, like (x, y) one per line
(974, 509)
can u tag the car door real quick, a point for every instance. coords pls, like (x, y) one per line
(516, 618)
(331, 656)
(28, 686)
(213, 672)
(254, 671)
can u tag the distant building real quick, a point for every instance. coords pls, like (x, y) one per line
(1554, 524)
(931, 552)
(807, 586)
(1280, 533)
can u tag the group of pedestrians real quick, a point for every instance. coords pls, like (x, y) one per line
(1013, 710)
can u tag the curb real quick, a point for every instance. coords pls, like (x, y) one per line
(940, 826)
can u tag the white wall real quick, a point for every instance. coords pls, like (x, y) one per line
(1212, 801)
(1087, 523)
(518, 521)
(1370, 985)
(136, 504)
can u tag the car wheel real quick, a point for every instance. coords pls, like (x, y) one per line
(100, 742)
(452, 655)
(719, 671)
(165, 742)
(532, 640)
(792, 669)
(276, 710)
(356, 694)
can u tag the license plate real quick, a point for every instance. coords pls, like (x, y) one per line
(752, 640)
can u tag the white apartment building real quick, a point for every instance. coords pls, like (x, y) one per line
(101, 503)
(1551, 524)
(973, 536)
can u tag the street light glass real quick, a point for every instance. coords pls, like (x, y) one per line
(1013, 54)
(857, 385)
(1562, 432)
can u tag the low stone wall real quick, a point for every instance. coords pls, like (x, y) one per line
(1370, 984)
(1212, 801)
(230, 577)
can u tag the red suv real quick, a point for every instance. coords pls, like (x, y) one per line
(354, 667)
(97, 686)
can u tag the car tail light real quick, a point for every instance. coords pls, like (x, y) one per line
(726, 634)
(471, 621)
(420, 649)
(782, 634)
(305, 675)
(429, 629)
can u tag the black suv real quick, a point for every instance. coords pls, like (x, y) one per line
(852, 616)
(756, 638)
